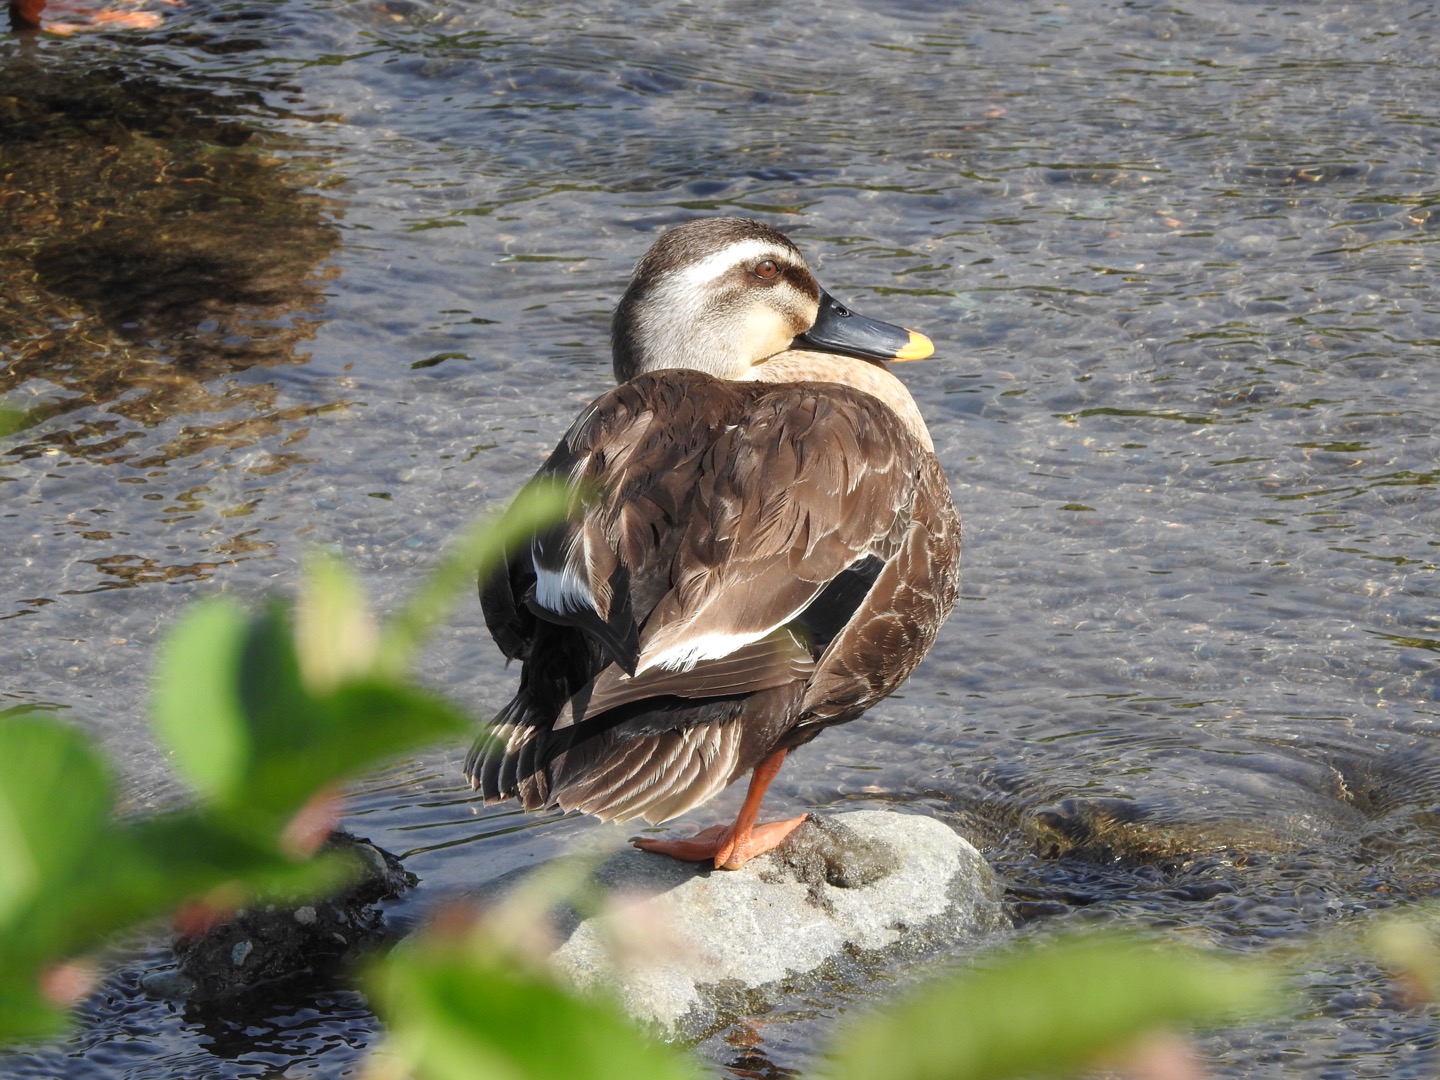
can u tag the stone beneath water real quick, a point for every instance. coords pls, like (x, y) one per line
(256, 949)
(697, 947)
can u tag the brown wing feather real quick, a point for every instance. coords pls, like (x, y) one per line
(801, 488)
(898, 621)
(723, 510)
(779, 659)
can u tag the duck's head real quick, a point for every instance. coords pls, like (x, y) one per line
(724, 295)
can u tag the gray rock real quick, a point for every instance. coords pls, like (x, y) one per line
(686, 948)
(261, 947)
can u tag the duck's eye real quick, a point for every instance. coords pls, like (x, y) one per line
(766, 269)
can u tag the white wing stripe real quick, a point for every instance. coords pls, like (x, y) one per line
(690, 650)
(562, 592)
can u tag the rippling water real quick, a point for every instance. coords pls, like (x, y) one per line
(340, 273)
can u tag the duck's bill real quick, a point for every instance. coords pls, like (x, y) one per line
(837, 329)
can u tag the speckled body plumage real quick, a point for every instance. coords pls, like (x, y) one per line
(751, 558)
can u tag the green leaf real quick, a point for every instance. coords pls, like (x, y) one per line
(335, 635)
(456, 1013)
(138, 871)
(289, 728)
(248, 730)
(175, 857)
(198, 713)
(135, 873)
(54, 800)
(356, 727)
(1410, 945)
(1049, 1008)
(478, 550)
(24, 1012)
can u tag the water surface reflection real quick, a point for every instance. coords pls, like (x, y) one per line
(1180, 268)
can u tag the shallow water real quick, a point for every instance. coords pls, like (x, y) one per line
(340, 273)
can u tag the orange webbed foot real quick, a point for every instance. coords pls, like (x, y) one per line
(67, 17)
(721, 846)
(698, 848)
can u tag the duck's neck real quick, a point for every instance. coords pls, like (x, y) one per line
(796, 365)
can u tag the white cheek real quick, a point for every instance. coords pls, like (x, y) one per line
(766, 333)
(675, 316)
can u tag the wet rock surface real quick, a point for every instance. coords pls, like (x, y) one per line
(686, 948)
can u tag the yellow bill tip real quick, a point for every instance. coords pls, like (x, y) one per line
(918, 347)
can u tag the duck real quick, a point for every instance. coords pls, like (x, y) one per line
(760, 544)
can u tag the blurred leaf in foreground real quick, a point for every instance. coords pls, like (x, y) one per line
(336, 636)
(477, 551)
(197, 712)
(248, 731)
(54, 797)
(1049, 1009)
(264, 713)
(261, 712)
(1409, 945)
(73, 876)
(464, 1009)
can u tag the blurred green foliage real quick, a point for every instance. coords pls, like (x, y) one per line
(261, 712)
(1051, 1008)
(464, 1007)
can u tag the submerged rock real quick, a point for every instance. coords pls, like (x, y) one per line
(1146, 831)
(258, 947)
(685, 947)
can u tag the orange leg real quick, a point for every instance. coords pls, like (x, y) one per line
(27, 12)
(731, 847)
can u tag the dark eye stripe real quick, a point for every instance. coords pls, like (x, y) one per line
(798, 278)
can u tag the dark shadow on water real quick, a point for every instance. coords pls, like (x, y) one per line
(153, 238)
